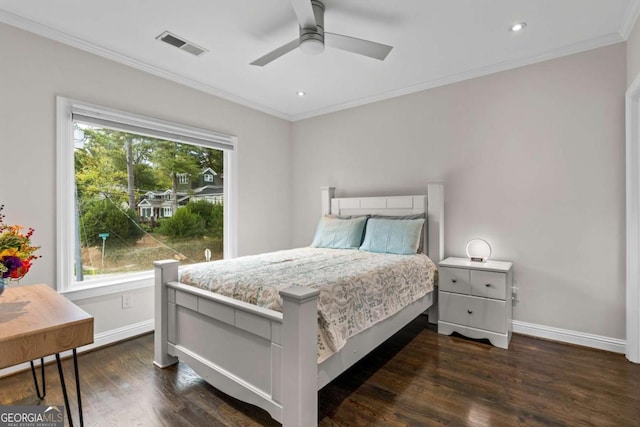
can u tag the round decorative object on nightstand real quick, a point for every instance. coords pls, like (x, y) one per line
(478, 250)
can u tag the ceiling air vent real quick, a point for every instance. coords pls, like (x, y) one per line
(180, 43)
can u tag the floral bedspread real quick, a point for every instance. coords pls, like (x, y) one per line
(357, 288)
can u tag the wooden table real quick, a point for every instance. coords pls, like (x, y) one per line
(36, 321)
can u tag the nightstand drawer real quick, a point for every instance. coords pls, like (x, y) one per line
(454, 280)
(489, 284)
(471, 311)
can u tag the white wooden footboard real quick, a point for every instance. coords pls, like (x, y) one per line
(239, 347)
(268, 358)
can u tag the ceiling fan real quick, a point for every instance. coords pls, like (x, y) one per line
(312, 39)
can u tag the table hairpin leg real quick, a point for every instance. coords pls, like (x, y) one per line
(75, 368)
(35, 380)
(64, 388)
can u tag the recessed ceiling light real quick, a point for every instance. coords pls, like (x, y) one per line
(517, 27)
(301, 93)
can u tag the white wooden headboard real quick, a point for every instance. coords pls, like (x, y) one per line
(432, 203)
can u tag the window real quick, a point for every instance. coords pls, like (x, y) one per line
(115, 214)
(183, 178)
(208, 177)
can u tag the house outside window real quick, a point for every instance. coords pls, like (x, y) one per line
(139, 163)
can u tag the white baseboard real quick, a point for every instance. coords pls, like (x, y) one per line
(540, 331)
(119, 334)
(99, 340)
(572, 337)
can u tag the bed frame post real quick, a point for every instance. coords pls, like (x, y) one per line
(328, 193)
(299, 360)
(166, 271)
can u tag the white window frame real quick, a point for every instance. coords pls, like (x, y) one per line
(207, 177)
(66, 110)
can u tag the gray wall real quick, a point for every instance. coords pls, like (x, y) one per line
(532, 160)
(34, 70)
(633, 53)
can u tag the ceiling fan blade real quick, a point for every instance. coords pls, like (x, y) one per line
(359, 46)
(277, 53)
(304, 13)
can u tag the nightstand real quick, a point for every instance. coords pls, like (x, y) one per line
(474, 299)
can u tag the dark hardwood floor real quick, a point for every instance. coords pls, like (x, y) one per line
(417, 378)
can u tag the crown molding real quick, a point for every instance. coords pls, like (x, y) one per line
(62, 37)
(633, 11)
(594, 43)
(630, 18)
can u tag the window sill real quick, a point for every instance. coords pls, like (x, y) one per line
(111, 287)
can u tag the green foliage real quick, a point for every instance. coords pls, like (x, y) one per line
(123, 166)
(216, 226)
(211, 158)
(172, 158)
(146, 179)
(183, 223)
(104, 216)
(211, 214)
(101, 163)
(98, 166)
(203, 209)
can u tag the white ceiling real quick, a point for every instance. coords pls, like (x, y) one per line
(435, 42)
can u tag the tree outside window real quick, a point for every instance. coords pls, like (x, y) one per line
(137, 202)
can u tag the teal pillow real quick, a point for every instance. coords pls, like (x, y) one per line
(337, 233)
(393, 236)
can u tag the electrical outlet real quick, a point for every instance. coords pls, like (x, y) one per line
(127, 301)
(515, 292)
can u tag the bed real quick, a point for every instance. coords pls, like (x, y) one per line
(273, 356)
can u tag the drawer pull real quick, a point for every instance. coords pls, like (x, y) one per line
(488, 285)
(454, 280)
(469, 311)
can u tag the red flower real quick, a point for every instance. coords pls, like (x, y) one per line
(19, 272)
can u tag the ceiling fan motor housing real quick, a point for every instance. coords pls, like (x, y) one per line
(312, 39)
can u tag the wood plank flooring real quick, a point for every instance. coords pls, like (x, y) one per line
(417, 378)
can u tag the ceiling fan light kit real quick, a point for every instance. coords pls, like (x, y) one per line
(312, 38)
(311, 46)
